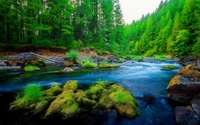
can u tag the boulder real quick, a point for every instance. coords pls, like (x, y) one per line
(187, 60)
(186, 116)
(182, 90)
(67, 69)
(71, 85)
(24, 59)
(149, 99)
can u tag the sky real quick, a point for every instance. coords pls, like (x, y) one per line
(134, 9)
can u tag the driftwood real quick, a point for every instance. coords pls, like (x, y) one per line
(44, 57)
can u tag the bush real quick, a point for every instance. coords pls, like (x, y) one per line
(32, 92)
(31, 68)
(72, 55)
(88, 63)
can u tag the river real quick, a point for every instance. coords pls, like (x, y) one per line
(139, 78)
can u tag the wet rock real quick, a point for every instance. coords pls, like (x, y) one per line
(69, 63)
(196, 106)
(187, 60)
(186, 116)
(112, 59)
(10, 67)
(182, 90)
(24, 59)
(67, 69)
(149, 99)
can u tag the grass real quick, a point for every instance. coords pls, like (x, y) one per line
(32, 92)
(138, 57)
(30, 68)
(107, 65)
(72, 55)
(169, 67)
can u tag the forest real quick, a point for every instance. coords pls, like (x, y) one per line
(173, 29)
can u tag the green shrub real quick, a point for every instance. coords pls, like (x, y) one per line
(72, 55)
(32, 92)
(169, 67)
(31, 68)
(138, 57)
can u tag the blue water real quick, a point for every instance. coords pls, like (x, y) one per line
(139, 78)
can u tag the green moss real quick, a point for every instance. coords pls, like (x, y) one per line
(30, 68)
(121, 97)
(40, 106)
(53, 91)
(32, 92)
(108, 65)
(71, 85)
(138, 57)
(88, 64)
(169, 67)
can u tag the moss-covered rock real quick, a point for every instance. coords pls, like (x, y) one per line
(40, 106)
(127, 110)
(169, 67)
(108, 65)
(71, 85)
(53, 91)
(64, 105)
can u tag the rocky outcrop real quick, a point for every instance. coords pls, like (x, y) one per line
(184, 88)
(186, 60)
(24, 59)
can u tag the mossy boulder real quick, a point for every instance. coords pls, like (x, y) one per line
(169, 67)
(64, 105)
(34, 107)
(71, 85)
(108, 65)
(53, 91)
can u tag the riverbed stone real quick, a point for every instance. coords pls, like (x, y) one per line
(186, 60)
(24, 59)
(186, 116)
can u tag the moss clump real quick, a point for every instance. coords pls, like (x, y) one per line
(89, 64)
(71, 85)
(108, 65)
(169, 67)
(122, 97)
(40, 106)
(30, 68)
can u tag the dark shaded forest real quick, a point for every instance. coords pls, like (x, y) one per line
(173, 29)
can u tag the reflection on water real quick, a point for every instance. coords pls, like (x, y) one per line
(139, 78)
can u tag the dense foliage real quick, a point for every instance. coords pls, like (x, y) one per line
(172, 29)
(69, 23)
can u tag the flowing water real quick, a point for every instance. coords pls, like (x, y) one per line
(139, 78)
